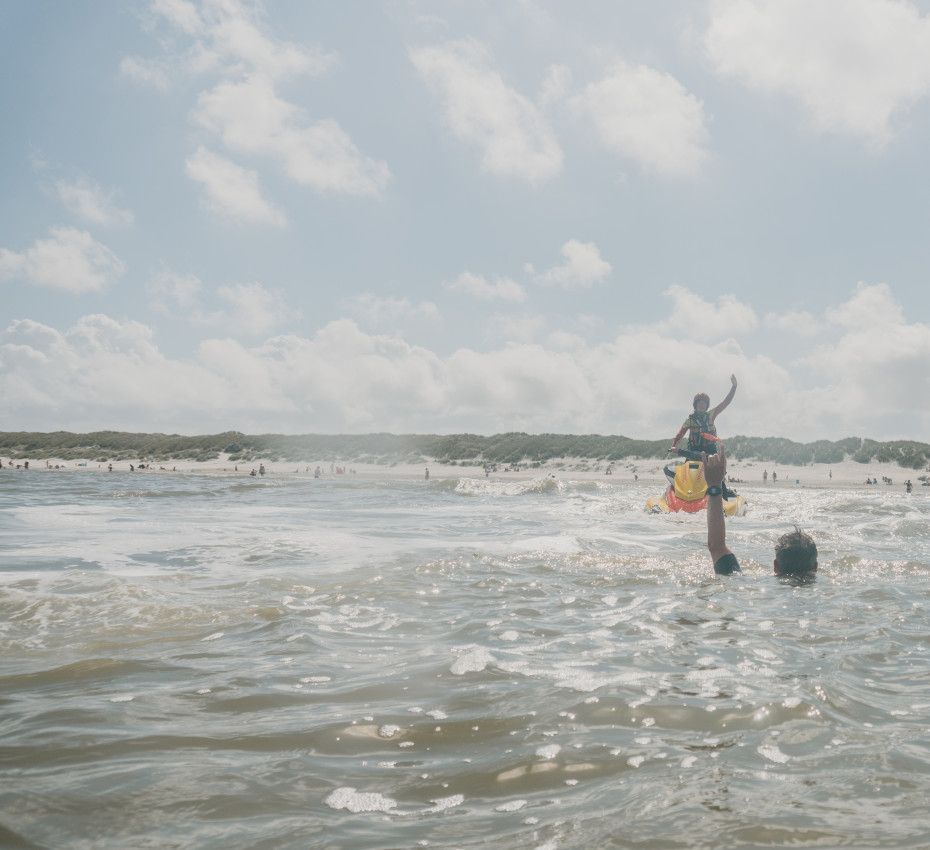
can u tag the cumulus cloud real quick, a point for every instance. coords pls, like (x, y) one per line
(482, 110)
(853, 66)
(857, 378)
(68, 259)
(89, 201)
(798, 322)
(102, 371)
(246, 111)
(252, 308)
(231, 190)
(647, 116)
(693, 317)
(478, 286)
(180, 13)
(228, 36)
(176, 295)
(145, 72)
(583, 267)
(871, 307)
(251, 118)
(875, 374)
(389, 311)
(246, 309)
(555, 85)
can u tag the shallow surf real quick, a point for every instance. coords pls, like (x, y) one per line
(200, 662)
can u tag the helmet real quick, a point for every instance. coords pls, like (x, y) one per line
(702, 397)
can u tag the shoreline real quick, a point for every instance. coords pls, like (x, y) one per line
(846, 474)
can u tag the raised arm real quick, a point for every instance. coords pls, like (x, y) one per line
(682, 431)
(715, 470)
(726, 402)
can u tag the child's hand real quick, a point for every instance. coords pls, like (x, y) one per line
(715, 466)
(733, 380)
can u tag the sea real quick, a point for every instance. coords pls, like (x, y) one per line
(208, 661)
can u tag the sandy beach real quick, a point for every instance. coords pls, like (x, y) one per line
(847, 474)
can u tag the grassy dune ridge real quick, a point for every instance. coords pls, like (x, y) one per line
(510, 448)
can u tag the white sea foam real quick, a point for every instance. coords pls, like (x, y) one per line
(511, 806)
(443, 803)
(472, 660)
(356, 801)
(772, 753)
(550, 751)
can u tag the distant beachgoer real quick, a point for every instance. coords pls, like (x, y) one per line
(765, 476)
(25, 464)
(132, 468)
(261, 469)
(774, 476)
(427, 474)
(795, 552)
(253, 473)
(831, 473)
(908, 486)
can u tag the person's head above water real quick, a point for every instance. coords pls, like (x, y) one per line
(795, 554)
(701, 402)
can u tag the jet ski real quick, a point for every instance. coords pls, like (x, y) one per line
(687, 491)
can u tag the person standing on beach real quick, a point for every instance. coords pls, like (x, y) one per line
(795, 552)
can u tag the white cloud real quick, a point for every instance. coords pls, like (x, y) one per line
(389, 311)
(88, 200)
(513, 136)
(228, 38)
(583, 267)
(647, 116)
(176, 295)
(876, 371)
(69, 259)
(555, 85)
(146, 72)
(478, 286)
(101, 372)
(247, 309)
(180, 13)
(251, 119)
(252, 309)
(854, 66)
(694, 318)
(798, 322)
(871, 307)
(231, 190)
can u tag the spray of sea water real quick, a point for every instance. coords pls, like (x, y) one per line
(194, 661)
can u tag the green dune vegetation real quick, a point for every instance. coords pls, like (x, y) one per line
(511, 448)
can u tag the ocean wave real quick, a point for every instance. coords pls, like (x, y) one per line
(491, 487)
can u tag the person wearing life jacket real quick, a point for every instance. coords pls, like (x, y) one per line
(701, 424)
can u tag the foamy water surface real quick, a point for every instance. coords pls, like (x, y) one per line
(198, 661)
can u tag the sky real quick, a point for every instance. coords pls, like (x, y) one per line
(438, 217)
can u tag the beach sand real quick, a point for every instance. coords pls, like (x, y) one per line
(818, 475)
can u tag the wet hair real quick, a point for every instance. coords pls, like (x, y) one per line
(701, 397)
(796, 553)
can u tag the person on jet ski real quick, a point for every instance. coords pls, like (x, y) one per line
(700, 425)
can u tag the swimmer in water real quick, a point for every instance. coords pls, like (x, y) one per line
(795, 552)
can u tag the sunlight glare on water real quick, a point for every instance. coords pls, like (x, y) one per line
(198, 661)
